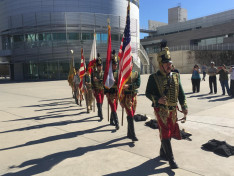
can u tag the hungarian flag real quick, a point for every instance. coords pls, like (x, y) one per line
(93, 55)
(108, 74)
(82, 69)
(125, 66)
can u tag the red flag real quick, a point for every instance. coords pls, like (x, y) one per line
(82, 68)
(125, 66)
(108, 74)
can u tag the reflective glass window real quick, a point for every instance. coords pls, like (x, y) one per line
(87, 36)
(74, 36)
(114, 37)
(211, 41)
(30, 37)
(18, 38)
(104, 38)
(59, 36)
(44, 37)
(219, 40)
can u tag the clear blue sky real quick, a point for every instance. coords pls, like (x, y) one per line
(157, 10)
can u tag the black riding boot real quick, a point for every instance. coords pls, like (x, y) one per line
(166, 144)
(115, 117)
(99, 105)
(131, 129)
(112, 119)
(162, 153)
(129, 134)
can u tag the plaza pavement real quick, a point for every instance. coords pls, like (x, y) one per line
(43, 132)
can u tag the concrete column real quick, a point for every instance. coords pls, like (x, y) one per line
(18, 72)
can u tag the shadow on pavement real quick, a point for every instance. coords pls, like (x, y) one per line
(221, 99)
(56, 108)
(147, 168)
(59, 137)
(63, 123)
(40, 165)
(45, 117)
(50, 104)
(210, 97)
(188, 93)
(56, 99)
(199, 95)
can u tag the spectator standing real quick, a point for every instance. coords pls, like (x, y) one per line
(212, 78)
(173, 69)
(232, 81)
(196, 79)
(204, 70)
(223, 78)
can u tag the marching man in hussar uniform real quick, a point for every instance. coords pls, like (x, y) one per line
(76, 82)
(129, 101)
(97, 85)
(112, 93)
(164, 89)
(88, 92)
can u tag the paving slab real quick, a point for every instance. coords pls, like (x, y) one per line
(43, 132)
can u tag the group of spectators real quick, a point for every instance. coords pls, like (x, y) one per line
(212, 72)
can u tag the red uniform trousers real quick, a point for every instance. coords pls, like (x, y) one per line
(167, 122)
(129, 102)
(113, 101)
(99, 95)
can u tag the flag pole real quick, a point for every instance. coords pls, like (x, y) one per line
(72, 52)
(122, 115)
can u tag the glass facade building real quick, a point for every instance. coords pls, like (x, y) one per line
(39, 34)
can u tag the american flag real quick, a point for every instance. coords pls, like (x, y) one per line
(125, 66)
(120, 55)
(82, 68)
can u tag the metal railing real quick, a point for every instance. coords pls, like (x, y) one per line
(144, 54)
(216, 47)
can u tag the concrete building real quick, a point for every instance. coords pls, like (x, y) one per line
(176, 15)
(36, 36)
(209, 33)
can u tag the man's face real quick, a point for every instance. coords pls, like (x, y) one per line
(114, 67)
(99, 68)
(212, 65)
(167, 67)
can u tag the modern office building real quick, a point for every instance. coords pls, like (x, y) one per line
(201, 32)
(36, 36)
(209, 33)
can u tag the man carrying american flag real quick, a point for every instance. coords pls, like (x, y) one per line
(128, 80)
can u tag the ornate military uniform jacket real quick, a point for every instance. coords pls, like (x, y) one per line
(160, 85)
(98, 86)
(112, 93)
(88, 89)
(130, 101)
